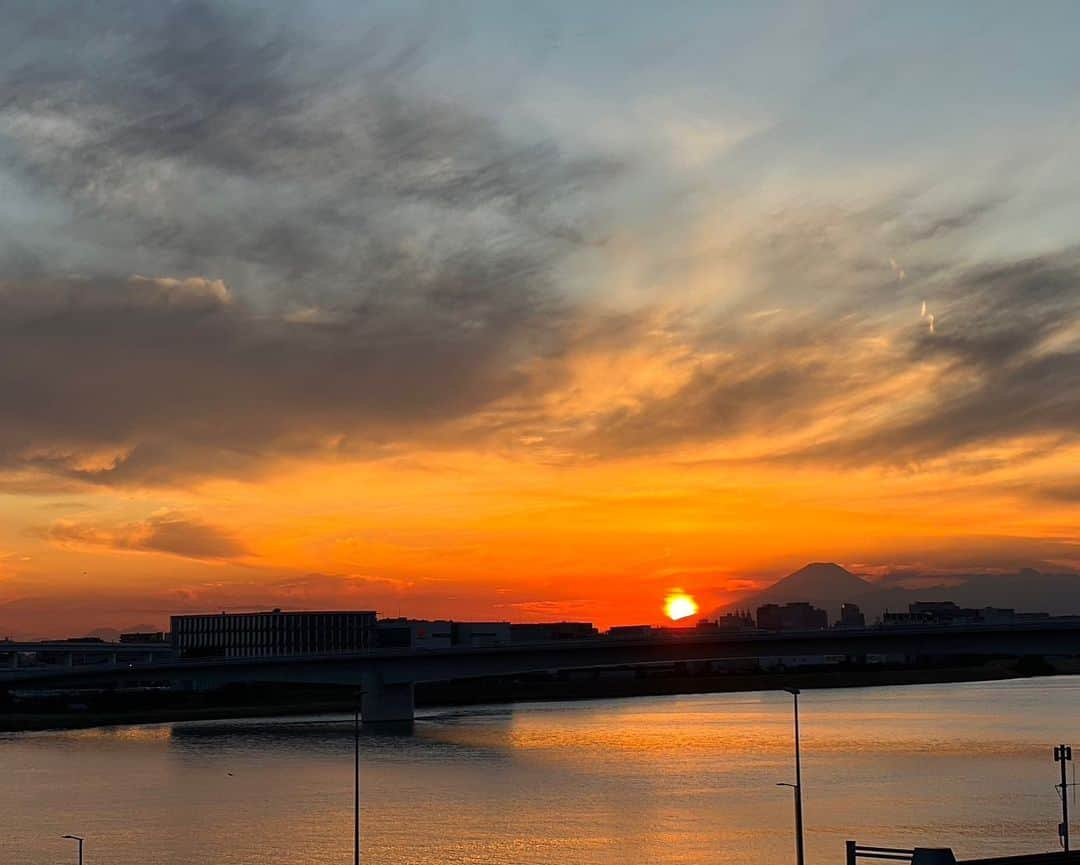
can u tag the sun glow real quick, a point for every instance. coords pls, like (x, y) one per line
(678, 605)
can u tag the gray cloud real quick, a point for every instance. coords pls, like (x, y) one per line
(232, 241)
(327, 253)
(1066, 493)
(177, 378)
(1009, 366)
(190, 137)
(170, 533)
(1003, 363)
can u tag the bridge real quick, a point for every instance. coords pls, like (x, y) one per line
(98, 650)
(386, 677)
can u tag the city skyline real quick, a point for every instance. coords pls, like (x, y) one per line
(494, 312)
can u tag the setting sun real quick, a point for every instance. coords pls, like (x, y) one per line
(678, 606)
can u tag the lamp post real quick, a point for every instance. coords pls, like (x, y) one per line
(356, 783)
(797, 786)
(80, 842)
(356, 777)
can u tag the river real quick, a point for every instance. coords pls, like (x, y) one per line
(657, 780)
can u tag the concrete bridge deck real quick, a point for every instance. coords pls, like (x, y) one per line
(387, 676)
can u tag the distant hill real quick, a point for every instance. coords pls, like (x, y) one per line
(827, 585)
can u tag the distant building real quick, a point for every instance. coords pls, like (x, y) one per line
(413, 634)
(728, 623)
(851, 616)
(740, 620)
(799, 616)
(481, 634)
(542, 632)
(144, 637)
(631, 632)
(941, 611)
(948, 613)
(273, 633)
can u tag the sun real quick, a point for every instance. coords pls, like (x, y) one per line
(679, 605)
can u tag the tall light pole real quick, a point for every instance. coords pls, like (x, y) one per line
(355, 786)
(797, 786)
(356, 780)
(1063, 755)
(80, 840)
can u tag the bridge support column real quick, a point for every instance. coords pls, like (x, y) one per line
(69, 659)
(113, 659)
(386, 703)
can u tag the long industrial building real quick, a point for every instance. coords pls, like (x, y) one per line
(273, 633)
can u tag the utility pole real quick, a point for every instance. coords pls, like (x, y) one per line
(796, 788)
(798, 783)
(356, 783)
(1063, 755)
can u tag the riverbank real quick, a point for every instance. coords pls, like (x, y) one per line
(503, 692)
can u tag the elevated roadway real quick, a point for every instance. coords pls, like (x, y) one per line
(387, 676)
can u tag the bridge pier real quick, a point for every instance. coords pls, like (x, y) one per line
(386, 702)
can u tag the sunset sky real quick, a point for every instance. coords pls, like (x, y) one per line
(529, 310)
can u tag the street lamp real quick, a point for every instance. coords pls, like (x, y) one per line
(356, 783)
(80, 840)
(356, 777)
(797, 786)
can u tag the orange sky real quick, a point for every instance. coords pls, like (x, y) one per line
(463, 534)
(494, 327)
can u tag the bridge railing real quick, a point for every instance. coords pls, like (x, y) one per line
(855, 852)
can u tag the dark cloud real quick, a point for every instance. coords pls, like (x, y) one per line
(329, 254)
(333, 258)
(1066, 493)
(1002, 363)
(184, 537)
(170, 533)
(192, 137)
(720, 401)
(1007, 361)
(158, 379)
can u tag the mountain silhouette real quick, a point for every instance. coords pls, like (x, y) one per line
(827, 585)
(823, 581)
(823, 584)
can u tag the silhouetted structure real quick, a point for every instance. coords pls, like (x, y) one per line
(538, 632)
(481, 634)
(402, 633)
(144, 637)
(857, 853)
(740, 620)
(271, 634)
(631, 632)
(851, 616)
(949, 613)
(796, 616)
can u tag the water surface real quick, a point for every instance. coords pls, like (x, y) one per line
(657, 780)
